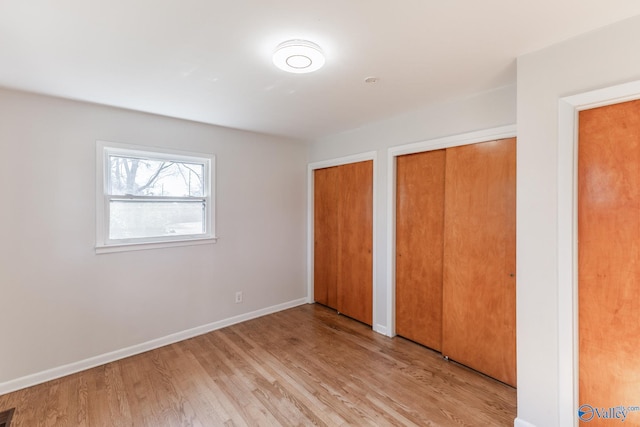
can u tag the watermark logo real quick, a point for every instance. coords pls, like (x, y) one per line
(587, 413)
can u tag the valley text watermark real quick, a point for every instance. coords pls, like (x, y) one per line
(587, 413)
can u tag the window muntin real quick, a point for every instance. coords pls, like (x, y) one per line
(151, 196)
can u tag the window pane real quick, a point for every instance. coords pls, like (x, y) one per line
(130, 219)
(145, 177)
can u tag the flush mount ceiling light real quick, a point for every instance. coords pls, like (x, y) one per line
(298, 56)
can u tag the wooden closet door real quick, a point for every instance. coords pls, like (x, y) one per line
(419, 246)
(609, 258)
(326, 239)
(479, 258)
(355, 224)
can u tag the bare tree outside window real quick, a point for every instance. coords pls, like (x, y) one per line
(146, 177)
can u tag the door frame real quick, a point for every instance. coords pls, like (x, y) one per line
(419, 147)
(567, 239)
(339, 161)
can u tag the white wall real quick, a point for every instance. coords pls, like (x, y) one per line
(595, 60)
(61, 303)
(483, 111)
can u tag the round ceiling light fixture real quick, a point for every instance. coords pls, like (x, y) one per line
(298, 56)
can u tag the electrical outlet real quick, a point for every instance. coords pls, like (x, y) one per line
(238, 297)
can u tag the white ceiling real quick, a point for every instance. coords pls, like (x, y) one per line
(210, 60)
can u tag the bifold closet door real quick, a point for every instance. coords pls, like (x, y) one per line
(479, 282)
(419, 246)
(609, 259)
(343, 239)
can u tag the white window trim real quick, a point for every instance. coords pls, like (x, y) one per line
(104, 245)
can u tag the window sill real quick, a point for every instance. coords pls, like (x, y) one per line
(126, 247)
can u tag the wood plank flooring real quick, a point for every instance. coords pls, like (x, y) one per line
(303, 366)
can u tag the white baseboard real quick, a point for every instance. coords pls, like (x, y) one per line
(380, 329)
(519, 422)
(72, 368)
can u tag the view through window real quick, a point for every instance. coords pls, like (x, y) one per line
(154, 196)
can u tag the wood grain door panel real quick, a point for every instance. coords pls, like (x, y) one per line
(479, 258)
(326, 239)
(419, 246)
(343, 239)
(609, 257)
(355, 259)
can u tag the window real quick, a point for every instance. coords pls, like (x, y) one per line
(151, 198)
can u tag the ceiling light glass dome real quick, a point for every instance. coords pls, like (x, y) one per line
(298, 56)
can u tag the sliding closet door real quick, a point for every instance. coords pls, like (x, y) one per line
(479, 282)
(326, 239)
(343, 239)
(355, 247)
(419, 246)
(609, 259)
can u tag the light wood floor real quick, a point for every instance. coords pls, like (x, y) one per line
(303, 366)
